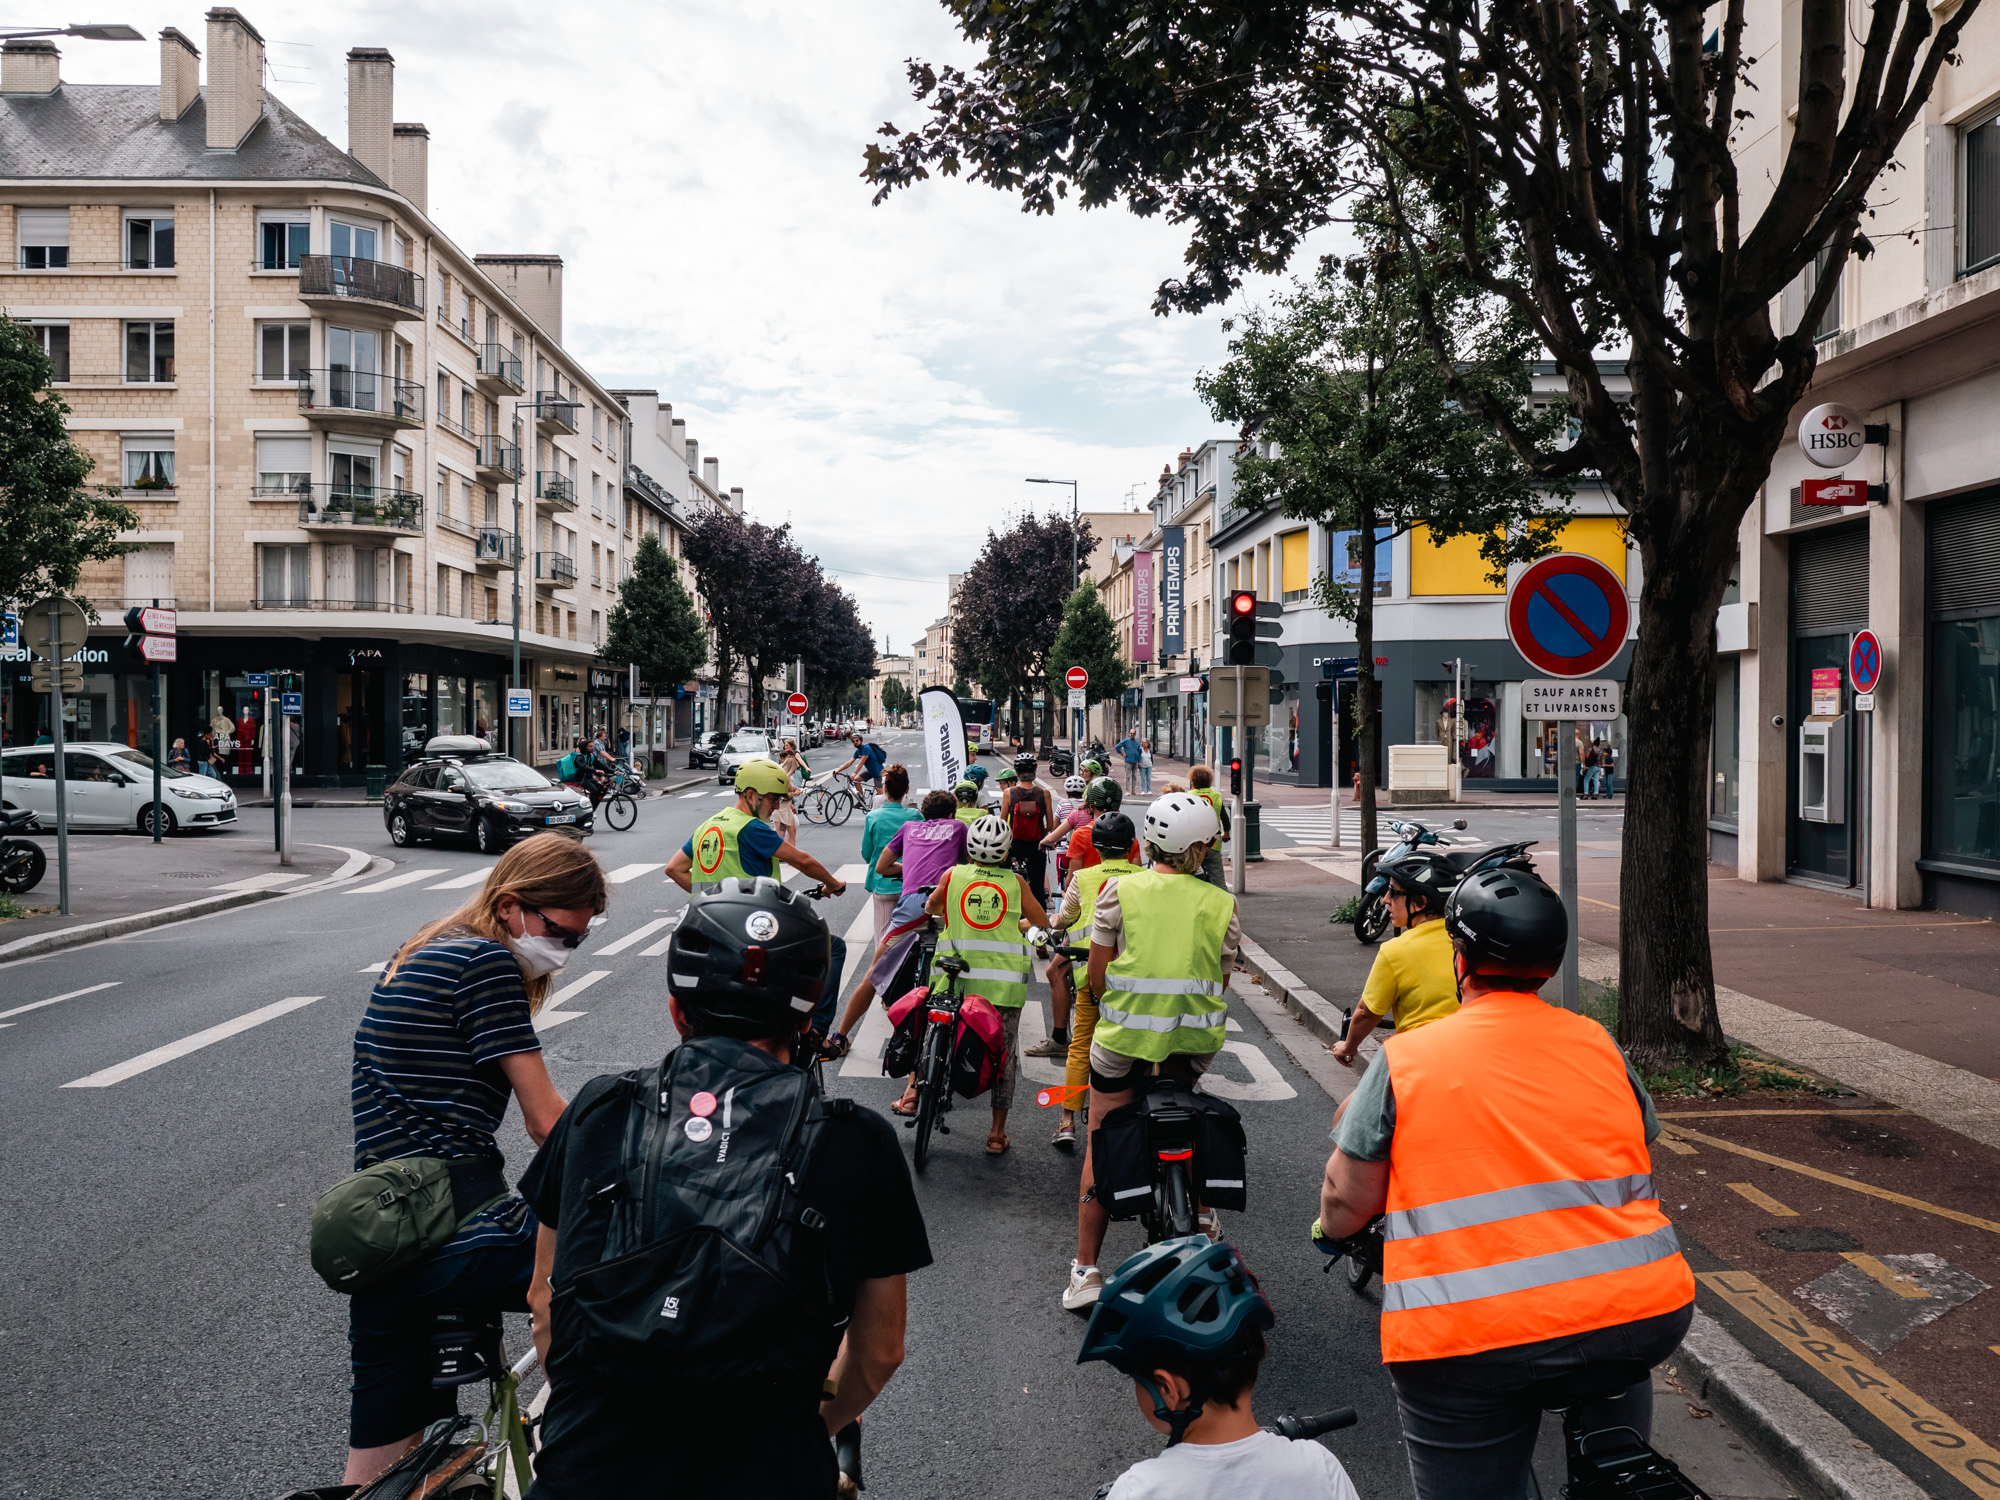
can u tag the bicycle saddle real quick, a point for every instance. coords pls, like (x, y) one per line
(953, 965)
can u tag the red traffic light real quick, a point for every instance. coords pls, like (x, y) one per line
(1243, 602)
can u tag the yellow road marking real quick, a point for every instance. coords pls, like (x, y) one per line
(1764, 1200)
(1958, 1452)
(1723, 1114)
(1838, 1181)
(1852, 927)
(1674, 1144)
(1893, 1279)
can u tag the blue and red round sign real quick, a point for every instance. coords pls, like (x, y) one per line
(1864, 662)
(1567, 615)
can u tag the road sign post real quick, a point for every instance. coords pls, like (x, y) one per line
(1077, 679)
(56, 626)
(796, 705)
(1865, 669)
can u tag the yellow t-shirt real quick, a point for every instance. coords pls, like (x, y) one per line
(1413, 974)
(969, 815)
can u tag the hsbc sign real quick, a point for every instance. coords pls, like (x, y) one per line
(1832, 435)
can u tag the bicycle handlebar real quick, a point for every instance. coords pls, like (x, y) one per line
(1301, 1428)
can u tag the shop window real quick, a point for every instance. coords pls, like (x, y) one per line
(283, 241)
(149, 353)
(1479, 749)
(149, 462)
(149, 242)
(1725, 741)
(416, 709)
(54, 341)
(1964, 724)
(283, 351)
(41, 239)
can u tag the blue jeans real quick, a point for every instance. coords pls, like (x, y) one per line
(1145, 777)
(829, 998)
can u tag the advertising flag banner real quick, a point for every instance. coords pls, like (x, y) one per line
(1142, 606)
(944, 738)
(1173, 584)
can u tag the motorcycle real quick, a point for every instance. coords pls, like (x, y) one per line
(1371, 921)
(22, 862)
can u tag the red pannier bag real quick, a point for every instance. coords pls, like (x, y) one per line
(981, 1038)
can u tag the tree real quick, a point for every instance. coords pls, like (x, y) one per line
(1358, 427)
(1011, 604)
(1603, 130)
(839, 650)
(1089, 640)
(653, 626)
(896, 698)
(50, 524)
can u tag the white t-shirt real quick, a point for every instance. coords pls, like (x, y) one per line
(1262, 1466)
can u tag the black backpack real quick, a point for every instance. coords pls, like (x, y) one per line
(713, 1274)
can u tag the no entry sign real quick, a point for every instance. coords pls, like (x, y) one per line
(1077, 677)
(796, 705)
(1567, 615)
(1864, 662)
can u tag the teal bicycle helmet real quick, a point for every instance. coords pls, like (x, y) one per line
(1185, 1301)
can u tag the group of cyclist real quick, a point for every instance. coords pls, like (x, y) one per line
(1496, 1147)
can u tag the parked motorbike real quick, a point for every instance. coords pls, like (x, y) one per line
(22, 862)
(1371, 922)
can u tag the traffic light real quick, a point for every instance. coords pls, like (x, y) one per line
(1236, 776)
(1252, 631)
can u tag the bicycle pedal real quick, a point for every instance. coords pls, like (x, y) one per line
(944, 1130)
(909, 1124)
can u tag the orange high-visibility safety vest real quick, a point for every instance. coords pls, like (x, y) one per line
(1521, 1203)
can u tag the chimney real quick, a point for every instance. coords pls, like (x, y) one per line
(413, 166)
(676, 435)
(234, 98)
(711, 473)
(535, 284)
(30, 66)
(693, 450)
(663, 420)
(371, 107)
(736, 499)
(180, 75)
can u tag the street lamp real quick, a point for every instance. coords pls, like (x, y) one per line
(98, 33)
(1073, 519)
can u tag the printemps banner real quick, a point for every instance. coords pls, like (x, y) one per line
(1173, 578)
(944, 738)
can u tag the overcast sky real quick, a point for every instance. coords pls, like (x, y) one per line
(883, 378)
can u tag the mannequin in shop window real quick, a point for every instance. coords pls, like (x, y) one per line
(246, 743)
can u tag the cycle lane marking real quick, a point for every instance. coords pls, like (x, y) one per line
(632, 872)
(460, 882)
(637, 935)
(21, 1010)
(552, 1017)
(408, 877)
(145, 1062)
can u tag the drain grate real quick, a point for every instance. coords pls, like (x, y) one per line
(191, 874)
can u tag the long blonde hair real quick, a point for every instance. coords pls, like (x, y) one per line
(548, 871)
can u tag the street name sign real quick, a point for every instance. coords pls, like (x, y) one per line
(1864, 662)
(1190, 684)
(292, 705)
(257, 679)
(1572, 698)
(147, 620)
(1567, 615)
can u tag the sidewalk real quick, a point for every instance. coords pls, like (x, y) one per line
(1271, 793)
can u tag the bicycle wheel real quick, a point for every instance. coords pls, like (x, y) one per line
(1178, 1210)
(620, 811)
(811, 804)
(930, 1073)
(838, 806)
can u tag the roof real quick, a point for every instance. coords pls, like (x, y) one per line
(114, 131)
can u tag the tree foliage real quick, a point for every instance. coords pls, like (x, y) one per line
(1011, 604)
(1089, 640)
(896, 697)
(51, 524)
(1602, 133)
(653, 626)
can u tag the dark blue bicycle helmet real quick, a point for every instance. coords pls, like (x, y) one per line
(1178, 1302)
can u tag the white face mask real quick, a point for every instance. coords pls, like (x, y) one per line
(539, 955)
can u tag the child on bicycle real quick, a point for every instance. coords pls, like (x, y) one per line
(1185, 1320)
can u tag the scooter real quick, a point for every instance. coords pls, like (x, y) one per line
(22, 862)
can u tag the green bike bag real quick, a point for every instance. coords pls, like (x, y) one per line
(390, 1216)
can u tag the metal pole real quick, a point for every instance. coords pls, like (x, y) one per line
(515, 681)
(1333, 753)
(1457, 730)
(284, 790)
(1867, 801)
(56, 739)
(1239, 836)
(270, 735)
(1566, 856)
(267, 742)
(159, 738)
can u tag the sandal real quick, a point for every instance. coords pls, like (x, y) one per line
(999, 1150)
(898, 1108)
(1065, 1137)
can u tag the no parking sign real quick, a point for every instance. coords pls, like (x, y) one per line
(1567, 615)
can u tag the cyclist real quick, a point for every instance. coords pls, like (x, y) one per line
(580, 768)
(1201, 781)
(744, 1412)
(1029, 814)
(1111, 837)
(1185, 1320)
(1102, 797)
(1161, 948)
(966, 795)
(1509, 1134)
(1412, 974)
(989, 797)
(879, 827)
(865, 764)
(740, 843)
(982, 903)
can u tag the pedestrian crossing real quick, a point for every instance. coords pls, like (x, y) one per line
(1311, 825)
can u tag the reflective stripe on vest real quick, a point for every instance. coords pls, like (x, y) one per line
(1163, 994)
(982, 911)
(1089, 883)
(718, 847)
(1521, 1204)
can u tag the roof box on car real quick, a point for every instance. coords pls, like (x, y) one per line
(457, 744)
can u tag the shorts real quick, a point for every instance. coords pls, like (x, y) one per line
(1115, 1073)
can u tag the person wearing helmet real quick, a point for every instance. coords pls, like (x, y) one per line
(1201, 781)
(1113, 840)
(1185, 1320)
(1412, 973)
(1099, 798)
(966, 794)
(1029, 813)
(727, 1111)
(1510, 1133)
(1161, 948)
(982, 903)
(1071, 814)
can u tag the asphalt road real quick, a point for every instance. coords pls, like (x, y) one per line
(163, 1333)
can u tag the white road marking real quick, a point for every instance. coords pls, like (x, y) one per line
(21, 1010)
(686, 795)
(637, 935)
(725, 792)
(460, 882)
(632, 872)
(269, 880)
(146, 1061)
(666, 942)
(408, 877)
(1266, 1082)
(374, 968)
(551, 1017)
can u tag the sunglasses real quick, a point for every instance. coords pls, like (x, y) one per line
(566, 936)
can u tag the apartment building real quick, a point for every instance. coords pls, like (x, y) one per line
(331, 420)
(1173, 703)
(902, 669)
(1902, 799)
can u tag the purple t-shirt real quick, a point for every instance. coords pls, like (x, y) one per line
(927, 848)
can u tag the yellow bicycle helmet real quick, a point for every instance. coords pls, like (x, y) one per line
(765, 776)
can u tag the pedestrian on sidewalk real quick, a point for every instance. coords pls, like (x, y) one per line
(447, 1038)
(179, 758)
(1593, 774)
(1145, 768)
(1132, 750)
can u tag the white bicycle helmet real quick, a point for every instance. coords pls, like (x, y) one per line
(1073, 785)
(1178, 821)
(988, 841)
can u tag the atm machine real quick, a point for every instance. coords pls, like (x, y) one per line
(1823, 769)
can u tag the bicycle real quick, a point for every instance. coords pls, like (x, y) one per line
(618, 809)
(1298, 1429)
(934, 1059)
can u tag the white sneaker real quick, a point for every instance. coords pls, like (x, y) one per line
(1085, 1284)
(1209, 1222)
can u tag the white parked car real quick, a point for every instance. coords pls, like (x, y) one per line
(741, 747)
(109, 785)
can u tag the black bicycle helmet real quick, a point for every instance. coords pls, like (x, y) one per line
(1508, 923)
(749, 957)
(1419, 869)
(1112, 833)
(1103, 796)
(1025, 763)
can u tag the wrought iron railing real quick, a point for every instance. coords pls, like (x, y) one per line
(499, 363)
(496, 454)
(375, 506)
(362, 392)
(362, 280)
(556, 489)
(554, 567)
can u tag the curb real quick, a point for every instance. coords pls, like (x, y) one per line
(1313, 1010)
(1809, 1445)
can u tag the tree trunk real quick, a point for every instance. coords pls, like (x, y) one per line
(1367, 692)
(1666, 975)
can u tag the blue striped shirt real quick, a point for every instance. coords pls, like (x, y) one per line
(427, 1075)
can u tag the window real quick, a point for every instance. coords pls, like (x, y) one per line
(283, 350)
(41, 239)
(54, 340)
(149, 353)
(284, 464)
(356, 240)
(597, 426)
(1295, 565)
(465, 313)
(1725, 744)
(443, 590)
(149, 573)
(596, 627)
(1829, 323)
(596, 498)
(465, 494)
(282, 241)
(444, 397)
(465, 409)
(596, 567)
(284, 575)
(351, 473)
(149, 242)
(444, 495)
(1346, 555)
(149, 462)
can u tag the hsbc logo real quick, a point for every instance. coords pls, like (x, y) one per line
(1831, 436)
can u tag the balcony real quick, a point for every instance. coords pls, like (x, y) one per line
(494, 549)
(345, 286)
(364, 397)
(498, 461)
(499, 371)
(650, 487)
(554, 571)
(555, 414)
(347, 508)
(555, 491)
